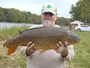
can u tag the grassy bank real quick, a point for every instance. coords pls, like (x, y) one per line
(82, 51)
(81, 59)
(7, 33)
(15, 60)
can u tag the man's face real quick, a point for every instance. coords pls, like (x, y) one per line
(48, 19)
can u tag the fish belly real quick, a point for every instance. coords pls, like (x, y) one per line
(45, 43)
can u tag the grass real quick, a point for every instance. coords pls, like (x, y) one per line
(7, 33)
(82, 51)
(15, 60)
(81, 59)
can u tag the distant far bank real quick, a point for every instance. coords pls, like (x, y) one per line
(10, 24)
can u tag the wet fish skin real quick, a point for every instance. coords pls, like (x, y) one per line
(44, 38)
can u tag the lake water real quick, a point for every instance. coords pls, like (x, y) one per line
(8, 25)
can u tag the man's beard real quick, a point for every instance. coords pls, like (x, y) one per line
(47, 23)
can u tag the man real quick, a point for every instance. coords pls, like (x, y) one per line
(51, 58)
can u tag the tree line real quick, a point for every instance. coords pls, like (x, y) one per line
(81, 11)
(16, 16)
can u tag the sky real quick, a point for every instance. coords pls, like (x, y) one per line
(35, 6)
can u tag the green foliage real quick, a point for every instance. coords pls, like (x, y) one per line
(2, 16)
(63, 21)
(14, 15)
(82, 51)
(7, 33)
(81, 11)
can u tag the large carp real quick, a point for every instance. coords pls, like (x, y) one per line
(43, 37)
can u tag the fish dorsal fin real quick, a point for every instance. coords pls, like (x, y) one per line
(32, 29)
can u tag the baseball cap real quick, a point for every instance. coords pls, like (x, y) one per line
(49, 7)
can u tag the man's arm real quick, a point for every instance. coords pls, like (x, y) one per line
(30, 48)
(67, 52)
(27, 50)
(70, 54)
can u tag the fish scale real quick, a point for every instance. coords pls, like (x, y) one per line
(44, 38)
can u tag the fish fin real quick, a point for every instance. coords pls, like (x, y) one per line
(11, 45)
(11, 49)
(31, 29)
(8, 43)
(43, 50)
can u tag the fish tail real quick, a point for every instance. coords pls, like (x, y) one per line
(11, 45)
(11, 49)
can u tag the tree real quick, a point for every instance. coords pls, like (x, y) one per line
(81, 11)
(16, 16)
(2, 16)
(63, 21)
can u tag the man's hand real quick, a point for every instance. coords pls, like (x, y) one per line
(30, 48)
(62, 48)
